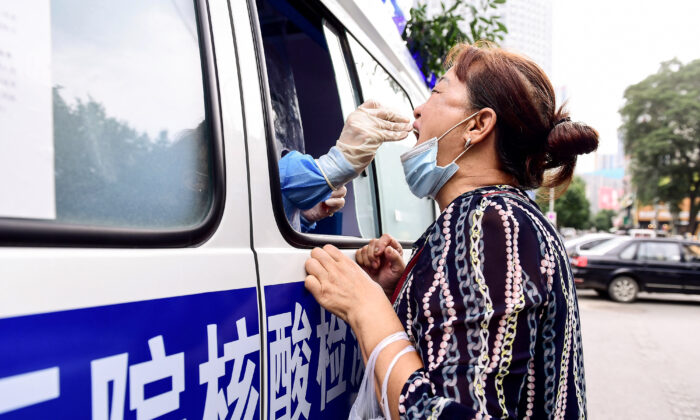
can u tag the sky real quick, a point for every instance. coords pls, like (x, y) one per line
(601, 46)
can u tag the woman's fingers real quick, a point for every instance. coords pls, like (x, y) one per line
(313, 285)
(359, 258)
(334, 253)
(395, 259)
(315, 268)
(396, 245)
(382, 242)
(373, 253)
(364, 257)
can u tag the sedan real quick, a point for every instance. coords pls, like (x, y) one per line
(584, 243)
(640, 264)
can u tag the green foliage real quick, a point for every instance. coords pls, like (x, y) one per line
(429, 38)
(602, 220)
(661, 134)
(572, 208)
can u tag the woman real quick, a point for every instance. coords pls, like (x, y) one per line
(488, 298)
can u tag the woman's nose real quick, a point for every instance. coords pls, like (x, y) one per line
(417, 112)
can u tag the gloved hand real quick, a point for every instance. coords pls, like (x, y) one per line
(326, 208)
(366, 129)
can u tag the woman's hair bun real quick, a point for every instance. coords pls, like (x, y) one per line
(568, 139)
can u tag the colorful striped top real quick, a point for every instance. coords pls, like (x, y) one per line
(490, 306)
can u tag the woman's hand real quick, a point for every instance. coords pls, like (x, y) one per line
(341, 286)
(383, 260)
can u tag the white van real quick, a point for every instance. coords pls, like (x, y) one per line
(147, 269)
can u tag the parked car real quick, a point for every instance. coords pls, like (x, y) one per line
(640, 264)
(583, 243)
(642, 233)
(604, 247)
(567, 233)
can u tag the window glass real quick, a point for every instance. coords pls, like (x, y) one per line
(628, 253)
(403, 215)
(103, 113)
(592, 244)
(362, 186)
(308, 106)
(659, 251)
(691, 252)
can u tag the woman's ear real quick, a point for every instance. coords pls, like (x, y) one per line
(481, 127)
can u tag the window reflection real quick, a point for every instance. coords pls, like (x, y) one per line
(130, 140)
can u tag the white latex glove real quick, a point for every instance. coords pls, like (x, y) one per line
(366, 129)
(328, 207)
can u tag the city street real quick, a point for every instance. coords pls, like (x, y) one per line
(641, 359)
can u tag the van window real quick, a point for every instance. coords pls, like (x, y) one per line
(102, 114)
(308, 107)
(403, 215)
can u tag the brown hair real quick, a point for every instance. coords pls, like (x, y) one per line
(532, 136)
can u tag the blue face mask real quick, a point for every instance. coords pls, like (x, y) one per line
(423, 175)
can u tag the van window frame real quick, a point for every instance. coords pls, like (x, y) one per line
(293, 237)
(34, 232)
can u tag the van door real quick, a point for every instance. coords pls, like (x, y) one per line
(314, 364)
(129, 287)
(297, 93)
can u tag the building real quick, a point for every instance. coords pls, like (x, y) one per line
(529, 24)
(607, 185)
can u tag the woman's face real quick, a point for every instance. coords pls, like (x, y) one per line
(446, 106)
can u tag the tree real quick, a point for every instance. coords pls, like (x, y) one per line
(572, 208)
(661, 134)
(429, 38)
(603, 220)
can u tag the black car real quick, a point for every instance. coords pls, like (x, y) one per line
(641, 264)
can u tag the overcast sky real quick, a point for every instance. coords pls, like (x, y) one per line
(602, 46)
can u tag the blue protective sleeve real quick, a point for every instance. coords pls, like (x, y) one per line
(301, 181)
(305, 224)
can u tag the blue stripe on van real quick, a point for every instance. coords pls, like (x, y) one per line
(151, 356)
(300, 335)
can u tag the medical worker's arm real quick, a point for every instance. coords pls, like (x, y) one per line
(306, 182)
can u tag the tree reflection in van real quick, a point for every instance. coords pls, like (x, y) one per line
(109, 174)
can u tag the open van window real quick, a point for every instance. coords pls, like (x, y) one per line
(307, 105)
(402, 214)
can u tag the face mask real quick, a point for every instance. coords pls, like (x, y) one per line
(424, 177)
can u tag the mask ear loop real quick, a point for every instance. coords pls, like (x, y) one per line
(457, 125)
(467, 146)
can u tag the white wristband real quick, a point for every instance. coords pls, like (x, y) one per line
(385, 383)
(366, 405)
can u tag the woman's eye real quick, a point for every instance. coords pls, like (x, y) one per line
(434, 91)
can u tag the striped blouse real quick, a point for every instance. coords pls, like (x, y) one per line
(489, 303)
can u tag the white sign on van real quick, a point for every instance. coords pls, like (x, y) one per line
(26, 123)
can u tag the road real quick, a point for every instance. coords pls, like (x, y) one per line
(642, 360)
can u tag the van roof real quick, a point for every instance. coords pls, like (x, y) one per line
(377, 32)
